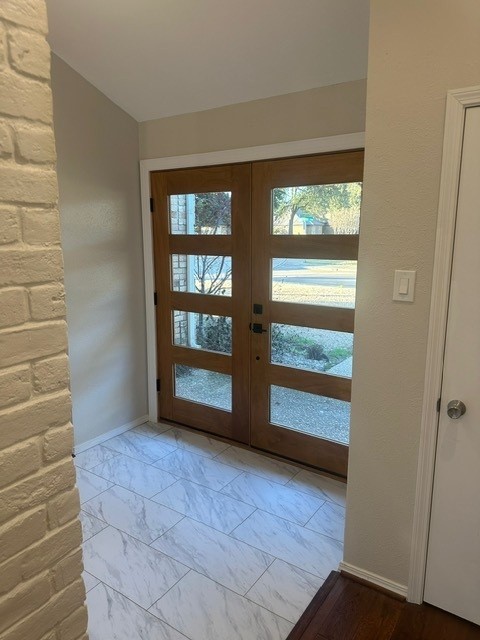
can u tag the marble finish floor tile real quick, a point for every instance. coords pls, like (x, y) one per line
(204, 610)
(285, 590)
(260, 465)
(218, 556)
(296, 545)
(89, 580)
(329, 520)
(131, 567)
(133, 514)
(194, 442)
(138, 446)
(90, 525)
(93, 456)
(205, 505)
(151, 430)
(137, 476)
(320, 486)
(273, 497)
(204, 471)
(111, 616)
(90, 485)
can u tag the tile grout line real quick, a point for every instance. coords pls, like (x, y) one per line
(259, 578)
(128, 533)
(169, 589)
(252, 470)
(247, 544)
(195, 519)
(126, 455)
(161, 536)
(239, 525)
(281, 559)
(151, 498)
(220, 491)
(182, 564)
(320, 507)
(239, 595)
(264, 607)
(301, 524)
(98, 494)
(104, 584)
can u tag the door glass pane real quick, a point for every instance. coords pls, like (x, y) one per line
(202, 331)
(209, 275)
(324, 282)
(311, 414)
(205, 387)
(201, 213)
(317, 209)
(314, 349)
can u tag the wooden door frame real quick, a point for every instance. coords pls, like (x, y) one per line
(344, 142)
(458, 101)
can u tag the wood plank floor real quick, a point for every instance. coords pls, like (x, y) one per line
(347, 610)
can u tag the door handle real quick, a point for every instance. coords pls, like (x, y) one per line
(456, 409)
(256, 327)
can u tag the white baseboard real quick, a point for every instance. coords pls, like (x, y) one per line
(109, 434)
(373, 578)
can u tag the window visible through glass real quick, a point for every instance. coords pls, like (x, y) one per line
(201, 213)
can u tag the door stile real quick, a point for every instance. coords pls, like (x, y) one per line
(158, 189)
(241, 302)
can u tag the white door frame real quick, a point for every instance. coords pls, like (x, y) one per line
(458, 101)
(248, 154)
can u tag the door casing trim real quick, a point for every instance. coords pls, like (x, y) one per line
(328, 144)
(458, 101)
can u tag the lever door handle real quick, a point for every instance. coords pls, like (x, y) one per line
(257, 327)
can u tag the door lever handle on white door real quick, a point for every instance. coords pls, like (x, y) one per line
(456, 409)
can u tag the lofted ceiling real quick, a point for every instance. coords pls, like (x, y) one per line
(157, 58)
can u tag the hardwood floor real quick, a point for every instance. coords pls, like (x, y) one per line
(347, 610)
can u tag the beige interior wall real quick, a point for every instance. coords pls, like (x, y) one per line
(97, 147)
(325, 111)
(418, 51)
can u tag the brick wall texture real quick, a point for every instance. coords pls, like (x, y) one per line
(41, 589)
(178, 222)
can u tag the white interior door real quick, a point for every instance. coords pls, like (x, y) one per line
(453, 562)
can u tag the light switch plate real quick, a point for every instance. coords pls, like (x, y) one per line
(404, 285)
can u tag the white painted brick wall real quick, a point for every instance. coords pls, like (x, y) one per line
(41, 590)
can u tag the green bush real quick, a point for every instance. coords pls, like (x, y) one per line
(215, 333)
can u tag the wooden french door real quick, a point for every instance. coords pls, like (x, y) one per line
(304, 254)
(201, 227)
(255, 274)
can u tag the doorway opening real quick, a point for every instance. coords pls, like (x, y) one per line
(255, 271)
